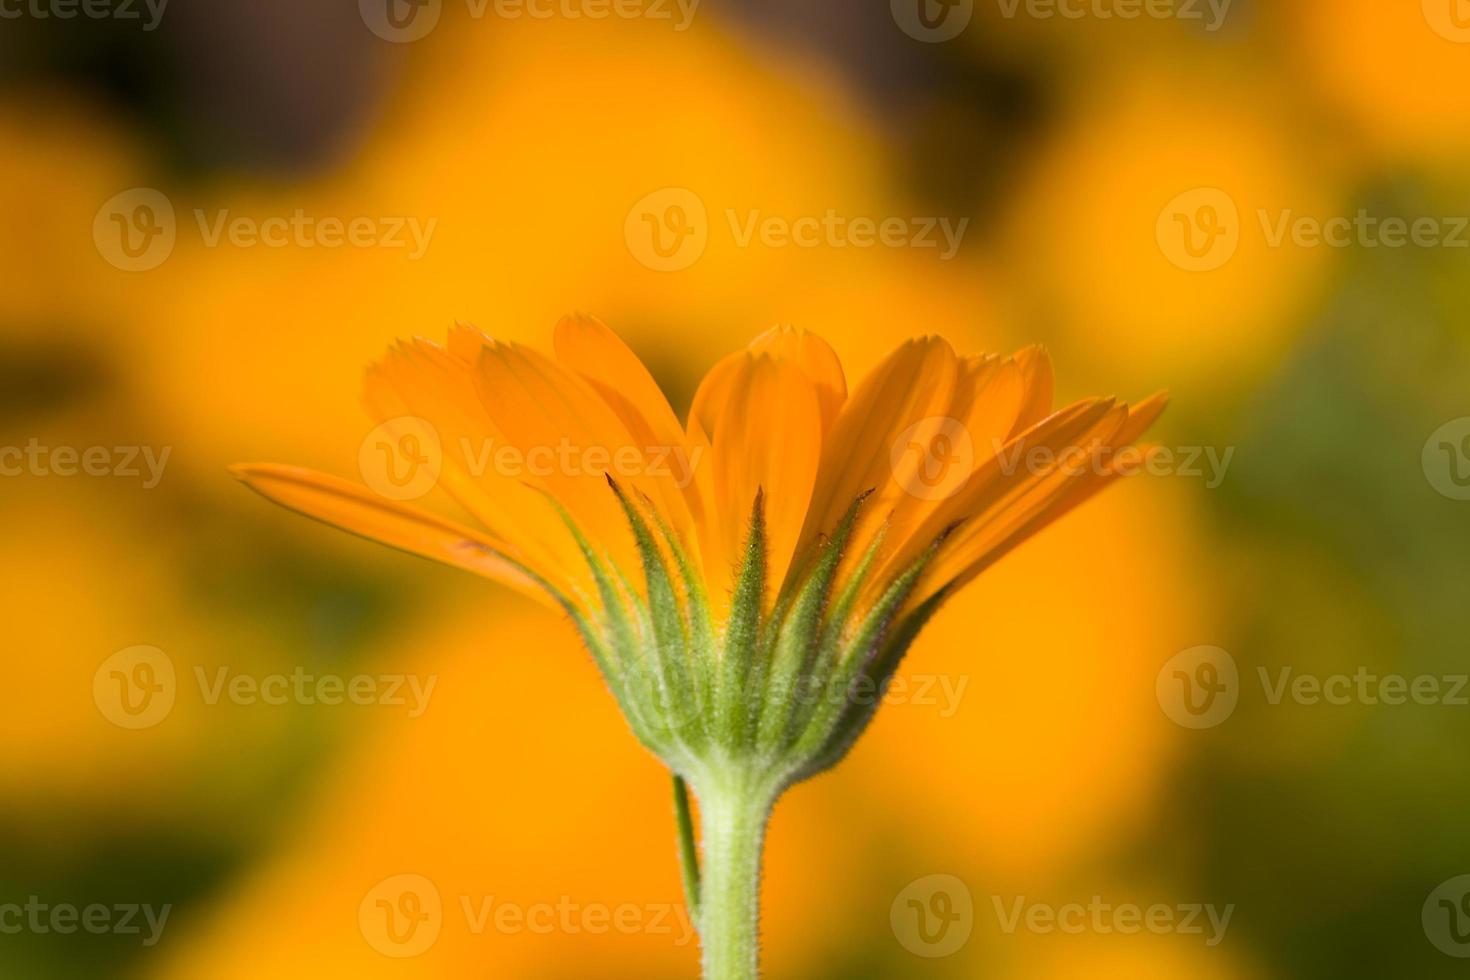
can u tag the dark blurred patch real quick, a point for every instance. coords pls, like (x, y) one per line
(84, 859)
(677, 375)
(276, 85)
(962, 121)
(40, 378)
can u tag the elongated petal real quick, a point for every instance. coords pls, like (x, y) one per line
(1036, 378)
(586, 346)
(358, 510)
(570, 439)
(767, 439)
(427, 382)
(906, 393)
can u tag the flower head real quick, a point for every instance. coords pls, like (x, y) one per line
(749, 579)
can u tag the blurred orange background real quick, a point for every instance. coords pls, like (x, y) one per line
(1078, 151)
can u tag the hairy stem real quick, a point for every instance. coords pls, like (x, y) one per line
(733, 815)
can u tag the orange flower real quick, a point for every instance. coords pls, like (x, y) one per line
(787, 542)
(774, 417)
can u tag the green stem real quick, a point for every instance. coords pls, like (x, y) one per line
(733, 815)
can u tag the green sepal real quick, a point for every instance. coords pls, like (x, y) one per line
(742, 636)
(618, 647)
(682, 712)
(836, 700)
(813, 683)
(855, 720)
(798, 636)
(703, 654)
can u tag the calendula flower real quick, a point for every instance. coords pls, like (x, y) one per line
(747, 581)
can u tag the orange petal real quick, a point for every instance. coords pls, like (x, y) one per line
(1036, 377)
(908, 391)
(599, 356)
(816, 358)
(358, 510)
(768, 439)
(428, 382)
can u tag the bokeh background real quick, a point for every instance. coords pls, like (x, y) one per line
(1123, 179)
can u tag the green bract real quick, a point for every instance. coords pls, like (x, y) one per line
(742, 710)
